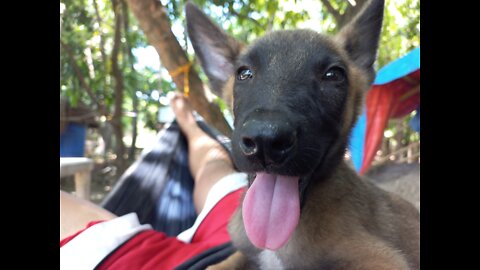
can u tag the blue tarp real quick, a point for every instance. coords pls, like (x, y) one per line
(399, 68)
(357, 141)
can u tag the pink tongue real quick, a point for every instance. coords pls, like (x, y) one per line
(271, 210)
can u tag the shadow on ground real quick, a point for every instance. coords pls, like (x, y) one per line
(400, 178)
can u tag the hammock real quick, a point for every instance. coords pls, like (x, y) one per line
(158, 187)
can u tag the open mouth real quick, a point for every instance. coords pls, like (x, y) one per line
(271, 209)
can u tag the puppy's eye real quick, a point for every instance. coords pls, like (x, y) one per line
(244, 73)
(335, 74)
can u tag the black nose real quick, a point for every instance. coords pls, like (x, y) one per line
(268, 140)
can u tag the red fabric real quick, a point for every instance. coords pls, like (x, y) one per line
(391, 100)
(406, 94)
(378, 111)
(151, 249)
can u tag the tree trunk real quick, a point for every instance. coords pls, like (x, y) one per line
(154, 22)
(102, 47)
(118, 91)
(133, 91)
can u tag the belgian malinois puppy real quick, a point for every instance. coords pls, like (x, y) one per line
(296, 95)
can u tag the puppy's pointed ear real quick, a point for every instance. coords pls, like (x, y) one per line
(216, 50)
(360, 37)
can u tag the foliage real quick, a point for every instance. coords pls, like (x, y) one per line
(401, 30)
(246, 20)
(90, 37)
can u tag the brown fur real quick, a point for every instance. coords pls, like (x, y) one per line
(346, 221)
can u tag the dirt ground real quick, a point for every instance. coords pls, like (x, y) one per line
(403, 179)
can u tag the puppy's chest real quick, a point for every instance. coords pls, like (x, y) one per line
(267, 259)
(299, 255)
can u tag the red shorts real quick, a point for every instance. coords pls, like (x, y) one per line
(122, 243)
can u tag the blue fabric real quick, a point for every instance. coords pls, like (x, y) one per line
(72, 141)
(415, 122)
(399, 68)
(357, 141)
(159, 185)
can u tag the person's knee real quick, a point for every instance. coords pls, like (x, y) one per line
(75, 213)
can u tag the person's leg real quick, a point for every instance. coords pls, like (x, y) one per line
(208, 160)
(208, 163)
(76, 213)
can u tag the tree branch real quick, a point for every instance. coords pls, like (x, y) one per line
(117, 74)
(102, 41)
(129, 53)
(270, 21)
(153, 20)
(335, 13)
(126, 23)
(351, 11)
(119, 85)
(245, 17)
(81, 78)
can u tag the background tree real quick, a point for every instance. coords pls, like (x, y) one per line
(97, 67)
(154, 21)
(401, 26)
(99, 39)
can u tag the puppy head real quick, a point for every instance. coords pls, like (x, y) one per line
(295, 95)
(312, 83)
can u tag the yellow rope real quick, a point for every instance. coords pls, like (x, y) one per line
(183, 69)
